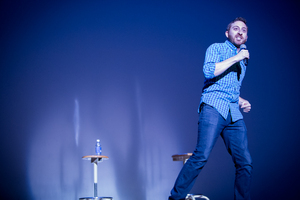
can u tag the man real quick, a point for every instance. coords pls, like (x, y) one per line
(224, 70)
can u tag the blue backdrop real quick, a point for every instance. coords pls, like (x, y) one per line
(130, 74)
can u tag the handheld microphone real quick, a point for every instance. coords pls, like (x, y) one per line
(243, 46)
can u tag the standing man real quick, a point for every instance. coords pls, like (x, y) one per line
(224, 70)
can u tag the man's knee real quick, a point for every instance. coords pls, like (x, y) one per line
(245, 169)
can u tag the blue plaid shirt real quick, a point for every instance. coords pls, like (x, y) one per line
(222, 92)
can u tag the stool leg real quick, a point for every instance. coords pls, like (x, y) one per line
(95, 179)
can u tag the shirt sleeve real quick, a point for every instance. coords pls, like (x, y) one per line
(212, 56)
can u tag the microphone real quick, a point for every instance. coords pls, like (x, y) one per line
(243, 46)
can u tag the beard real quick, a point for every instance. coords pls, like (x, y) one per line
(237, 43)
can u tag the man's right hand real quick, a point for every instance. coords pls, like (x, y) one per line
(224, 65)
(243, 54)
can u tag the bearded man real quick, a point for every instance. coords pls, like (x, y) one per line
(219, 115)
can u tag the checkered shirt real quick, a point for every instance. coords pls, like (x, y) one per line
(222, 92)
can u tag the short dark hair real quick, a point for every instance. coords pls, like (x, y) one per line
(236, 19)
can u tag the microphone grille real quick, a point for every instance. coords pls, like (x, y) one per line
(243, 46)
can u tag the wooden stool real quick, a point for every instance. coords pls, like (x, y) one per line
(95, 159)
(184, 157)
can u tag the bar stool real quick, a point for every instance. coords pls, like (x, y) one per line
(95, 159)
(184, 157)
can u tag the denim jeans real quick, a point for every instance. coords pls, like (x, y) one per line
(210, 125)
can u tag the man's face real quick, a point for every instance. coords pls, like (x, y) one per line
(237, 33)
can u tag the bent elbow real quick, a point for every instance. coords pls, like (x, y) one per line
(209, 70)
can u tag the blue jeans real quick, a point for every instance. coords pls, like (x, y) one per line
(211, 124)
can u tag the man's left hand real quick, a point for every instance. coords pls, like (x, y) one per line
(246, 106)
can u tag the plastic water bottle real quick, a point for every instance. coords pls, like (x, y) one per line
(98, 148)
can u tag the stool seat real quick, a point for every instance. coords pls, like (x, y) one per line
(181, 157)
(95, 158)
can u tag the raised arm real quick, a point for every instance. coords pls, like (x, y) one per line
(224, 65)
(212, 65)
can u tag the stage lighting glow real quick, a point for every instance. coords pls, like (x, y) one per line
(76, 121)
(139, 150)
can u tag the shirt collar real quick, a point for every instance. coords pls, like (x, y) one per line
(230, 45)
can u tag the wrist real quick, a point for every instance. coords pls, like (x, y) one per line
(241, 101)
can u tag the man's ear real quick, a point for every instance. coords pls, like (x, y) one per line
(226, 33)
